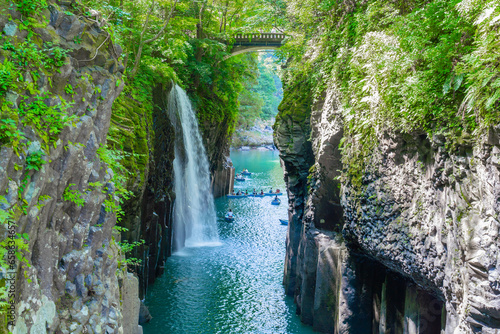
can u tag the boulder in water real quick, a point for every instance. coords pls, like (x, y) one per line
(144, 315)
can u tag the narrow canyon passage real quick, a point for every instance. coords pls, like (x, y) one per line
(235, 287)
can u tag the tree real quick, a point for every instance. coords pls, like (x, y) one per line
(143, 42)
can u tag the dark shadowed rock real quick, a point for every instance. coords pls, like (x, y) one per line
(144, 315)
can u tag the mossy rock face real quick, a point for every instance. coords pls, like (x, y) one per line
(132, 131)
(296, 103)
(292, 127)
(130, 123)
(141, 129)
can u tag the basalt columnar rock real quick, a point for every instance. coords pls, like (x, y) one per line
(72, 283)
(408, 245)
(148, 211)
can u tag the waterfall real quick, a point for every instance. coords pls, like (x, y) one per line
(195, 222)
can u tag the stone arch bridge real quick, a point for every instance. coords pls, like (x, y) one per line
(256, 42)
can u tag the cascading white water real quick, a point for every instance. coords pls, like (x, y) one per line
(195, 222)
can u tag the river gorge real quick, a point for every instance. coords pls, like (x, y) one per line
(120, 124)
(234, 286)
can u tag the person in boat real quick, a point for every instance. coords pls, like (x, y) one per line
(276, 198)
(230, 213)
(262, 192)
(277, 191)
(271, 190)
(238, 193)
(246, 192)
(233, 193)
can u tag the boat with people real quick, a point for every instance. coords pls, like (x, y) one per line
(284, 222)
(246, 172)
(254, 194)
(237, 196)
(273, 194)
(239, 177)
(276, 201)
(229, 217)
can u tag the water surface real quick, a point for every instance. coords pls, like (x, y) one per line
(235, 287)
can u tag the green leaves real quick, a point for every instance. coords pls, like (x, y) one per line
(73, 195)
(403, 66)
(48, 121)
(30, 7)
(34, 160)
(480, 67)
(455, 80)
(8, 75)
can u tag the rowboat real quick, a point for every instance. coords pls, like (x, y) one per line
(273, 194)
(246, 173)
(283, 222)
(229, 219)
(237, 196)
(276, 202)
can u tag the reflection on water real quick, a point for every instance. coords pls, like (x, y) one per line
(235, 287)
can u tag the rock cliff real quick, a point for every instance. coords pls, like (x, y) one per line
(54, 175)
(406, 242)
(260, 134)
(148, 210)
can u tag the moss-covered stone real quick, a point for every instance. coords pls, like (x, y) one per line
(297, 102)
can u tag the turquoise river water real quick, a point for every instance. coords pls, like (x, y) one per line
(235, 286)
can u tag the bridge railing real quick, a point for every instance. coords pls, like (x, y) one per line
(259, 36)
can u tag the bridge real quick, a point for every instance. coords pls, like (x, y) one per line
(256, 42)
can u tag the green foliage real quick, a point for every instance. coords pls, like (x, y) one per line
(34, 160)
(116, 196)
(41, 201)
(30, 7)
(69, 89)
(130, 120)
(215, 86)
(269, 88)
(262, 92)
(10, 135)
(55, 56)
(422, 67)
(127, 247)
(74, 195)
(480, 67)
(297, 101)
(95, 185)
(48, 121)
(8, 75)
(120, 228)
(29, 55)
